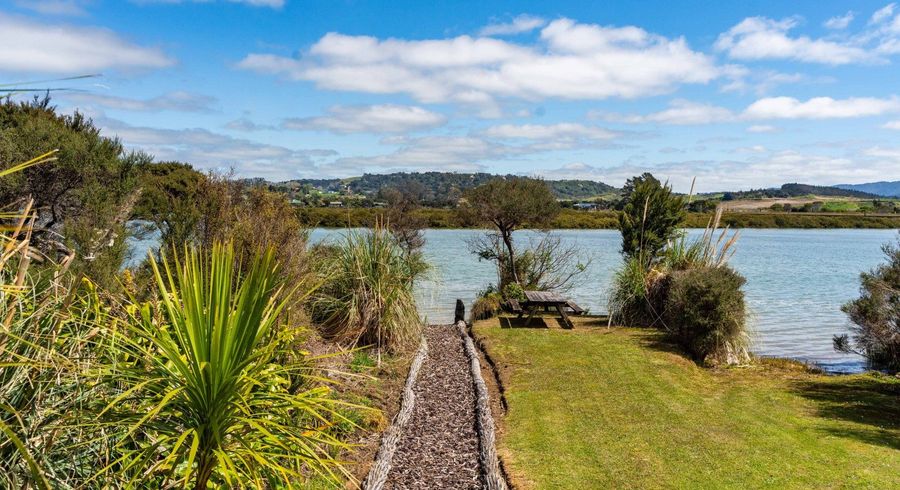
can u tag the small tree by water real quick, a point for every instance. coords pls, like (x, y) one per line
(651, 217)
(876, 314)
(508, 205)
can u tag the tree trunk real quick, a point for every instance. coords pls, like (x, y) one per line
(507, 239)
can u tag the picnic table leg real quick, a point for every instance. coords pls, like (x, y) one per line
(531, 311)
(565, 318)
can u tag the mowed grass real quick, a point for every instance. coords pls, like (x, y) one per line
(621, 408)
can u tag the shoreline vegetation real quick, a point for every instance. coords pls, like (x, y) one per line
(444, 218)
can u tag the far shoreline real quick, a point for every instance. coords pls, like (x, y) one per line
(568, 219)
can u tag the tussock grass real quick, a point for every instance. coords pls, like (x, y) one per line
(368, 295)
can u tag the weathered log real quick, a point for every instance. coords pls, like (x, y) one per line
(487, 456)
(378, 473)
(460, 315)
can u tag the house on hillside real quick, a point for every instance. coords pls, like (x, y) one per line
(335, 204)
(586, 206)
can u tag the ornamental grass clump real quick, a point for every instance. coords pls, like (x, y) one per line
(367, 298)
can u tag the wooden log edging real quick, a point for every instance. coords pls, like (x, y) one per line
(378, 473)
(487, 454)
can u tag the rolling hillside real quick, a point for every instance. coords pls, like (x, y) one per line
(884, 188)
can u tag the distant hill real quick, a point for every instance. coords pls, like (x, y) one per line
(445, 187)
(798, 190)
(885, 189)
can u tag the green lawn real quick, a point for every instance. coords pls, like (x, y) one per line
(598, 408)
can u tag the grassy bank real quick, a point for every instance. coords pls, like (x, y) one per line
(619, 408)
(603, 220)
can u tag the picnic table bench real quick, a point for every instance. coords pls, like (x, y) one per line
(547, 300)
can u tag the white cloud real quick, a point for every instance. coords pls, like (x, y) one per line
(683, 112)
(761, 128)
(385, 118)
(886, 153)
(550, 131)
(522, 23)
(892, 125)
(840, 22)
(55, 7)
(757, 38)
(172, 101)
(30, 46)
(680, 112)
(549, 137)
(253, 3)
(820, 108)
(571, 61)
(758, 169)
(883, 14)
(246, 125)
(208, 150)
(441, 153)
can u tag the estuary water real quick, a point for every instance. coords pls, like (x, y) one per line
(797, 281)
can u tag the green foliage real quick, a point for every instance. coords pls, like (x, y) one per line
(85, 195)
(514, 291)
(362, 361)
(488, 304)
(172, 200)
(876, 314)
(204, 397)
(367, 297)
(705, 311)
(600, 220)
(439, 189)
(650, 217)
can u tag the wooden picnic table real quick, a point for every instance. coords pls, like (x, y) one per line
(546, 299)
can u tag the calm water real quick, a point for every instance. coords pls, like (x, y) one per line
(796, 281)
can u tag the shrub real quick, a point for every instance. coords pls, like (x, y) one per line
(876, 314)
(488, 305)
(514, 291)
(650, 217)
(705, 311)
(367, 298)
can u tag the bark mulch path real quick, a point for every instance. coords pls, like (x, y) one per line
(439, 447)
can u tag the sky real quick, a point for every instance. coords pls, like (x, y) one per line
(739, 95)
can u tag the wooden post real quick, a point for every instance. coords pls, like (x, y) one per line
(460, 315)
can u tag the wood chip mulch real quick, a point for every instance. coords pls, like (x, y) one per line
(439, 447)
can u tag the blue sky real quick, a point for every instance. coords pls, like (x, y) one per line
(740, 96)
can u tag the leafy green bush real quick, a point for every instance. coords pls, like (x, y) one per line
(876, 314)
(705, 311)
(514, 291)
(488, 305)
